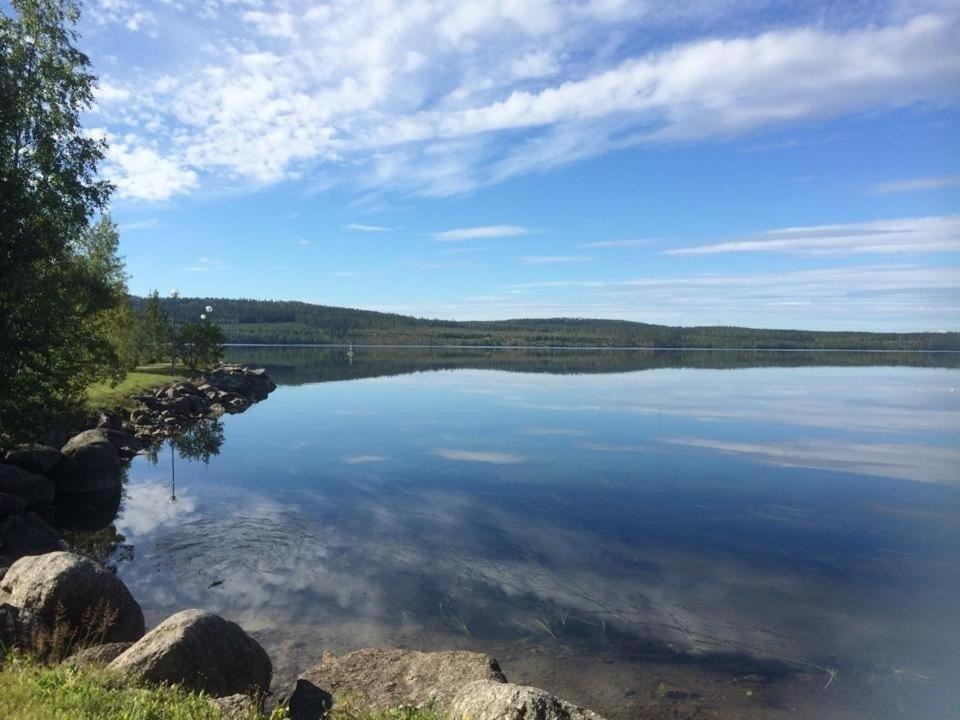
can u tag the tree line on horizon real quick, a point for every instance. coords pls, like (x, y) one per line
(292, 322)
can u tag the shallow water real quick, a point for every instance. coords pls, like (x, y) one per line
(601, 521)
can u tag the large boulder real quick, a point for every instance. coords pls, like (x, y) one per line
(486, 700)
(91, 464)
(61, 587)
(379, 679)
(11, 505)
(35, 489)
(28, 534)
(88, 511)
(202, 651)
(38, 459)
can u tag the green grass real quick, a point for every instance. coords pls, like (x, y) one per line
(147, 377)
(33, 691)
(29, 691)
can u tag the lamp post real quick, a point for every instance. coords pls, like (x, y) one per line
(174, 295)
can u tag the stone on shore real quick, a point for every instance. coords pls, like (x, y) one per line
(34, 489)
(38, 459)
(97, 654)
(236, 707)
(66, 588)
(202, 651)
(91, 464)
(486, 700)
(379, 679)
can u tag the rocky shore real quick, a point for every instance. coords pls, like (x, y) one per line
(93, 619)
(79, 479)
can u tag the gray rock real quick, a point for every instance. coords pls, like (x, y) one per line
(180, 389)
(126, 444)
(61, 586)
(38, 459)
(240, 381)
(35, 489)
(486, 700)
(91, 464)
(11, 505)
(97, 654)
(202, 651)
(28, 534)
(382, 678)
(108, 420)
(236, 707)
(15, 628)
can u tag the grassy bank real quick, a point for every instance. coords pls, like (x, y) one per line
(32, 691)
(146, 377)
(35, 692)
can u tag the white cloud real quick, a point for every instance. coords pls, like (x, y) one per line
(360, 459)
(493, 458)
(109, 93)
(552, 259)
(922, 463)
(618, 243)
(142, 20)
(916, 184)
(141, 173)
(906, 235)
(360, 227)
(536, 64)
(485, 231)
(438, 97)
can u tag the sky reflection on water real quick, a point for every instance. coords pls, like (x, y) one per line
(809, 514)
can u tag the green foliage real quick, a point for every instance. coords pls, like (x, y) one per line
(57, 279)
(154, 332)
(29, 691)
(200, 344)
(200, 441)
(349, 708)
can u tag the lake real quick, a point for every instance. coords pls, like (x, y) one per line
(726, 534)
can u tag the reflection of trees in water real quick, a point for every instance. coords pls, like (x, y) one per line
(200, 441)
(107, 546)
(301, 365)
(87, 521)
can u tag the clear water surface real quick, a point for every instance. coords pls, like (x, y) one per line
(589, 517)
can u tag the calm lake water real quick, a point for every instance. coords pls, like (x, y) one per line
(600, 521)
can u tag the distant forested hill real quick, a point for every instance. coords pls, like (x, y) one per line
(285, 322)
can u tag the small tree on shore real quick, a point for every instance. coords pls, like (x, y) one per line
(201, 344)
(155, 334)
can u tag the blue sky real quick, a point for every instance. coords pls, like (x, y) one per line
(749, 162)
